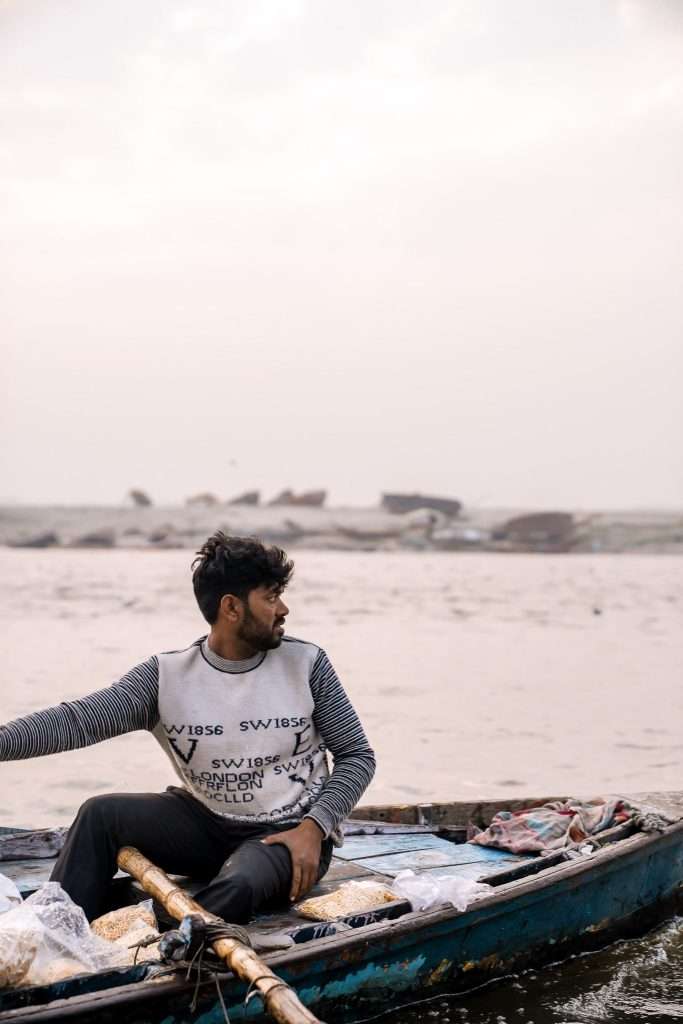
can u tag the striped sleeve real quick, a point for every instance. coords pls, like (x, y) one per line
(342, 733)
(127, 705)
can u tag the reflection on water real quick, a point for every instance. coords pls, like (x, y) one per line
(639, 981)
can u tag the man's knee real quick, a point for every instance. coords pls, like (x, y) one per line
(98, 807)
(255, 874)
(231, 895)
(241, 882)
(108, 814)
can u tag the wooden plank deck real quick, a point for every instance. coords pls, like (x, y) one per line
(389, 854)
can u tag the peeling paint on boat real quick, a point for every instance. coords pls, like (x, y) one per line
(487, 963)
(440, 972)
(599, 926)
(398, 976)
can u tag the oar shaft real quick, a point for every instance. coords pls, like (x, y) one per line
(281, 1002)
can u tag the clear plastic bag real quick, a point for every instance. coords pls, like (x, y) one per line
(48, 938)
(125, 928)
(10, 896)
(431, 890)
(351, 897)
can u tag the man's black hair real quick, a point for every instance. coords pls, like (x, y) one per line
(236, 565)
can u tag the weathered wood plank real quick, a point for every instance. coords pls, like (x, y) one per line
(370, 828)
(23, 844)
(472, 872)
(417, 860)
(480, 812)
(458, 813)
(28, 875)
(456, 858)
(356, 847)
(362, 848)
(341, 870)
(328, 884)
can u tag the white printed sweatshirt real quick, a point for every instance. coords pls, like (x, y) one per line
(249, 739)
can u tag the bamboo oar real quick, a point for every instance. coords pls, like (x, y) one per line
(281, 1002)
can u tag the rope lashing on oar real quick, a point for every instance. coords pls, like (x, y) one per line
(252, 991)
(196, 964)
(195, 938)
(187, 946)
(182, 943)
(280, 999)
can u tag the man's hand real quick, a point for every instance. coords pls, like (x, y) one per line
(303, 843)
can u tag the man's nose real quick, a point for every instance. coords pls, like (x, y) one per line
(284, 610)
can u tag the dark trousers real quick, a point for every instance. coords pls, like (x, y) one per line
(181, 836)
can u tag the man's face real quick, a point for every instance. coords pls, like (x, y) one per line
(263, 625)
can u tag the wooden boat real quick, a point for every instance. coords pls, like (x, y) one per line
(541, 909)
(399, 504)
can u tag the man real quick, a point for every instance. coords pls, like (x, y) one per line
(245, 715)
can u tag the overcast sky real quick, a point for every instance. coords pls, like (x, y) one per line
(358, 245)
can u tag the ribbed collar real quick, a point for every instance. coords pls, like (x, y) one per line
(235, 668)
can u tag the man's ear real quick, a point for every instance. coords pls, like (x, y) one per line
(231, 608)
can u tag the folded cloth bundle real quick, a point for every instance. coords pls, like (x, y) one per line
(554, 825)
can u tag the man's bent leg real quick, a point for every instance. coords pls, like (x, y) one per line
(170, 830)
(254, 875)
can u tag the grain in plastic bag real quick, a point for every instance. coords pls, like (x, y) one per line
(47, 938)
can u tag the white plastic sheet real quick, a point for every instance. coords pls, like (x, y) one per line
(431, 890)
(9, 894)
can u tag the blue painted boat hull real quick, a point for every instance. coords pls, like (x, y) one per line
(577, 905)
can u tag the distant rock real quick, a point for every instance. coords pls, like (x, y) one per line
(368, 533)
(285, 532)
(161, 534)
(401, 503)
(283, 498)
(426, 518)
(205, 498)
(539, 531)
(49, 539)
(310, 499)
(248, 498)
(458, 538)
(307, 499)
(167, 536)
(104, 538)
(139, 498)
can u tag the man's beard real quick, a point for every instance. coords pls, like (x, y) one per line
(257, 636)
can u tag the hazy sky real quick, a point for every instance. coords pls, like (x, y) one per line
(358, 245)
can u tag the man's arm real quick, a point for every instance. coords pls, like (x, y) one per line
(129, 704)
(354, 766)
(354, 759)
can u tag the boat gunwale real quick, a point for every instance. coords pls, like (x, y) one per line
(409, 924)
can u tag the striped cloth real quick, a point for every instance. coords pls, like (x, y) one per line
(131, 703)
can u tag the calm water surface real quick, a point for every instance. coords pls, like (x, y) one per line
(634, 982)
(475, 675)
